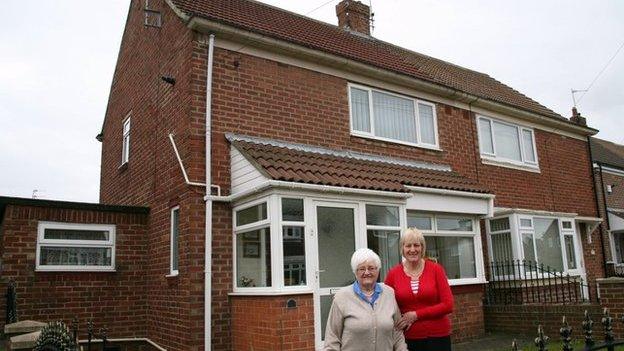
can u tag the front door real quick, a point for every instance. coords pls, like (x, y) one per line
(334, 234)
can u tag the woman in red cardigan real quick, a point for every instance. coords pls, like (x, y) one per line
(423, 295)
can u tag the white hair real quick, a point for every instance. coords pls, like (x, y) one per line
(362, 255)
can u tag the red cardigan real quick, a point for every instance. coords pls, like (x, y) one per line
(432, 303)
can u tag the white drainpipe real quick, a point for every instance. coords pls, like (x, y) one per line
(208, 234)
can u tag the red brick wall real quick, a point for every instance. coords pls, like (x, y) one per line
(616, 198)
(524, 319)
(265, 323)
(467, 319)
(115, 300)
(612, 297)
(152, 176)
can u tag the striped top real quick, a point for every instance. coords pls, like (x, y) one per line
(414, 284)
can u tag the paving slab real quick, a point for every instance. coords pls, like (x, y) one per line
(24, 341)
(23, 327)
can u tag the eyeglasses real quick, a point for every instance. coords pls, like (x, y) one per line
(364, 269)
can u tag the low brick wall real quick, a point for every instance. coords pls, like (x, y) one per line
(265, 323)
(524, 319)
(467, 319)
(612, 297)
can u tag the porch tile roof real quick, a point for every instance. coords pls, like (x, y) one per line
(280, 162)
(607, 152)
(291, 27)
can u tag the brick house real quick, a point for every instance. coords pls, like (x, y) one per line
(268, 146)
(608, 165)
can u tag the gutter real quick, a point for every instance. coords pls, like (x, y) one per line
(259, 40)
(305, 186)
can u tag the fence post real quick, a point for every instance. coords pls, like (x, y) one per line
(607, 322)
(11, 303)
(89, 334)
(541, 339)
(588, 324)
(103, 333)
(566, 335)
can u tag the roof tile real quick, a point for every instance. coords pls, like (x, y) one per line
(283, 163)
(288, 26)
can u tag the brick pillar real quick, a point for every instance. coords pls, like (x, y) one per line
(612, 297)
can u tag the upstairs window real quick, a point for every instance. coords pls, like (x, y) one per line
(75, 247)
(125, 146)
(391, 117)
(506, 142)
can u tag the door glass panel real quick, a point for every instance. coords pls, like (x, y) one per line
(326, 301)
(569, 246)
(386, 244)
(336, 243)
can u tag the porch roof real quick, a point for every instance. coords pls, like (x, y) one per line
(311, 165)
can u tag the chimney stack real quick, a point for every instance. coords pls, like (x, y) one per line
(577, 118)
(354, 15)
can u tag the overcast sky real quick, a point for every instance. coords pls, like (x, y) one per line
(57, 60)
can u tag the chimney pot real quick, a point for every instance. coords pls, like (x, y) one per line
(577, 118)
(354, 15)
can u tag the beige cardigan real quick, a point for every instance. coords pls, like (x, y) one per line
(353, 325)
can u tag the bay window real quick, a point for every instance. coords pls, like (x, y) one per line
(392, 117)
(451, 241)
(541, 240)
(293, 242)
(506, 142)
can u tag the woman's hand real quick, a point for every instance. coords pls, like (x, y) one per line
(406, 320)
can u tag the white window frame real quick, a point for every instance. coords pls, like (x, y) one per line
(487, 157)
(372, 135)
(279, 257)
(475, 234)
(517, 231)
(43, 242)
(174, 210)
(261, 224)
(125, 140)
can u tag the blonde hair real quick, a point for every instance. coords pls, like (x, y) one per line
(410, 235)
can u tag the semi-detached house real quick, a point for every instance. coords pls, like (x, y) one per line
(269, 146)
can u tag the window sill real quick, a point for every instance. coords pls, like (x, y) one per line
(172, 275)
(507, 164)
(123, 167)
(75, 270)
(467, 281)
(392, 141)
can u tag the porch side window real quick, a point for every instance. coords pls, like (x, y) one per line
(392, 117)
(75, 247)
(253, 246)
(383, 232)
(293, 242)
(450, 241)
(500, 237)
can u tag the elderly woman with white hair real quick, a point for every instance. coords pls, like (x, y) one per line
(423, 294)
(363, 315)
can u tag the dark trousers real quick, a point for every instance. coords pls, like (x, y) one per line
(429, 344)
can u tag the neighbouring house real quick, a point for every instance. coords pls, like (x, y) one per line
(267, 147)
(608, 165)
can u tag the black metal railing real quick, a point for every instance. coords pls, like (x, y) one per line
(52, 341)
(615, 270)
(522, 282)
(609, 343)
(11, 303)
